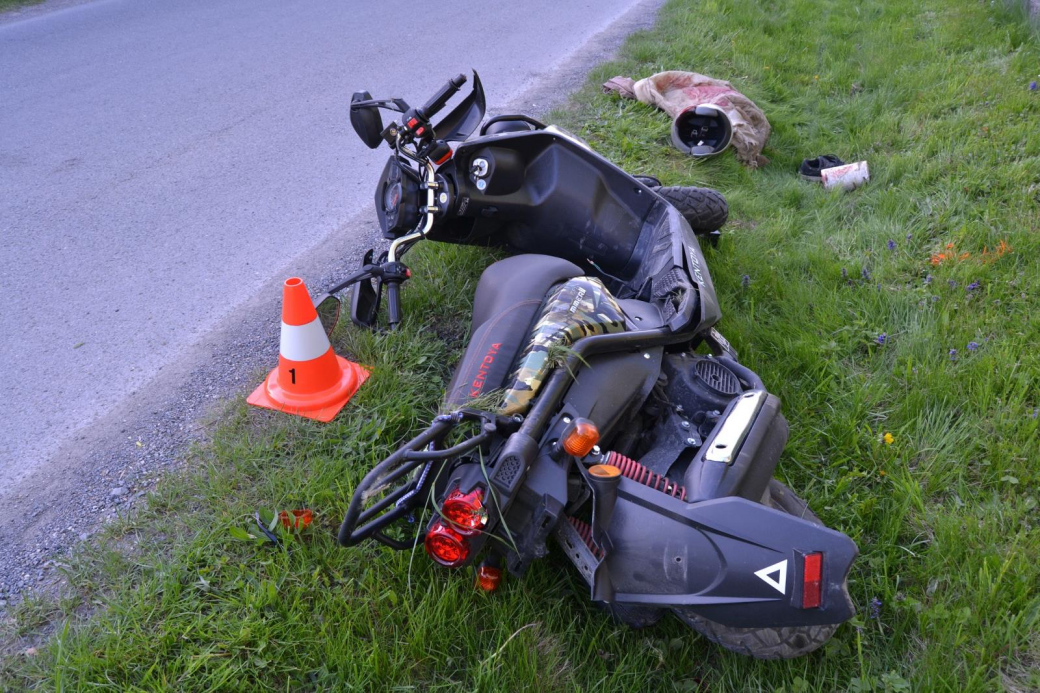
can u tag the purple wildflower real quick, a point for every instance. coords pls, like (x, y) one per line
(844, 273)
(952, 283)
(953, 354)
(935, 299)
(1032, 85)
(1035, 412)
(972, 346)
(891, 244)
(865, 273)
(745, 281)
(909, 236)
(882, 338)
(928, 280)
(875, 608)
(974, 285)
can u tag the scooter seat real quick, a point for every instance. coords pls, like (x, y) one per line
(505, 307)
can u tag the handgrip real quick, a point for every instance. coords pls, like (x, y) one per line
(436, 103)
(393, 303)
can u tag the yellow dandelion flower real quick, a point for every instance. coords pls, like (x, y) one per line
(888, 438)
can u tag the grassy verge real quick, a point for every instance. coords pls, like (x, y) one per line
(894, 309)
(6, 5)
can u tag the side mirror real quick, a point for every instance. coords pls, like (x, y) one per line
(328, 308)
(364, 304)
(367, 122)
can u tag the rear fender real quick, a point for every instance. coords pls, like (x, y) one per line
(730, 560)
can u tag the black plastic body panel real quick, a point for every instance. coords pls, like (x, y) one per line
(546, 192)
(465, 117)
(711, 557)
(610, 386)
(748, 475)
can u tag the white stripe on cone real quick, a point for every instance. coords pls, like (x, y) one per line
(304, 342)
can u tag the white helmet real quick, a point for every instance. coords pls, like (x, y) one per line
(702, 130)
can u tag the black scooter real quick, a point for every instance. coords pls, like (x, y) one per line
(585, 409)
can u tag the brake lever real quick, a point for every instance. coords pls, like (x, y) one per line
(366, 272)
(399, 105)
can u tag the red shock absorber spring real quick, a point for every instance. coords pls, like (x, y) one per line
(637, 472)
(585, 532)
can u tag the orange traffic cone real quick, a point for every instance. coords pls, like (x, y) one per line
(310, 380)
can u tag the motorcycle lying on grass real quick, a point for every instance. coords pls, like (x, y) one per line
(584, 409)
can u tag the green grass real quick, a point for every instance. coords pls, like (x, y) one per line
(934, 95)
(15, 4)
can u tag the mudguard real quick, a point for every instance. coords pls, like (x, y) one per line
(730, 560)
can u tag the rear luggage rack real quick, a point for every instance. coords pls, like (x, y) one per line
(399, 502)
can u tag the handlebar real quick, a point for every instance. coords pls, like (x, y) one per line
(438, 100)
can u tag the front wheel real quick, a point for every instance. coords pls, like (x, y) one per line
(767, 643)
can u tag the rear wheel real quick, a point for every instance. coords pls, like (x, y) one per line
(767, 643)
(704, 209)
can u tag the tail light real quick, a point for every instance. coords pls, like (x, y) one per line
(446, 546)
(812, 573)
(488, 578)
(465, 512)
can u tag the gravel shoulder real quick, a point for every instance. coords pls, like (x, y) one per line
(105, 470)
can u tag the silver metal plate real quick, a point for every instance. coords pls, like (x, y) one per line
(726, 444)
(577, 550)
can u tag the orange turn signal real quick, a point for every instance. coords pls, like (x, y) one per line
(581, 438)
(604, 471)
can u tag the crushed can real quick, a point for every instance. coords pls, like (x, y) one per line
(849, 176)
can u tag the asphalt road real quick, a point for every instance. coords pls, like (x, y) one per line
(162, 162)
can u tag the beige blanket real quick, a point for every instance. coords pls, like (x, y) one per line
(675, 91)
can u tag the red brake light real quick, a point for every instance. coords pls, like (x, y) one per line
(465, 512)
(489, 578)
(812, 572)
(296, 519)
(446, 546)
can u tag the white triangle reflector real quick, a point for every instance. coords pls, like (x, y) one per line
(780, 582)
